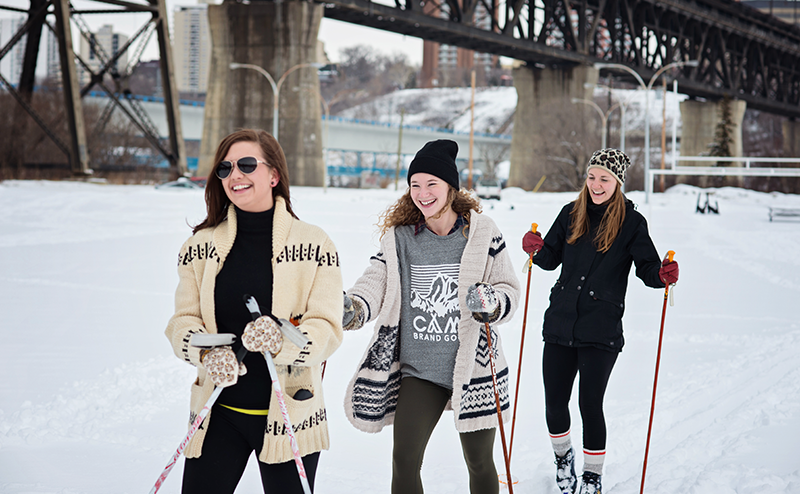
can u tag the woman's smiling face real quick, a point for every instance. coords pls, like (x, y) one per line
(250, 192)
(601, 185)
(429, 193)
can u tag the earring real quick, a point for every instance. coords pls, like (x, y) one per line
(273, 183)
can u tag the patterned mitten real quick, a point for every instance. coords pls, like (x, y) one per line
(263, 334)
(482, 299)
(353, 315)
(221, 366)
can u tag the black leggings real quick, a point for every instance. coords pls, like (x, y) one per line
(560, 364)
(229, 441)
(419, 407)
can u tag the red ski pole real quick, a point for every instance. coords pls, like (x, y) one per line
(506, 457)
(670, 254)
(521, 346)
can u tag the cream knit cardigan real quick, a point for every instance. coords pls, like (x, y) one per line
(372, 393)
(307, 286)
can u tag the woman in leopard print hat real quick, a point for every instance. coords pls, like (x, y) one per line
(595, 239)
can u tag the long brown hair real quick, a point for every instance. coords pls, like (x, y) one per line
(217, 201)
(405, 212)
(610, 224)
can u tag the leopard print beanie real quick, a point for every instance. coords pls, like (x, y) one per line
(611, 160)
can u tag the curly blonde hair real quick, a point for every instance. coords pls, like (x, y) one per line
(405, 212)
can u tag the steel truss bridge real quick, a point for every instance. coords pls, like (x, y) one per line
(742, 52)
(107, 76)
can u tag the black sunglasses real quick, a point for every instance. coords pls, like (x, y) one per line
(246, 165)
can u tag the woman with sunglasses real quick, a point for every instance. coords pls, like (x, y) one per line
(251, 242)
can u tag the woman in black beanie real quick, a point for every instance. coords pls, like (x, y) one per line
(429, 352)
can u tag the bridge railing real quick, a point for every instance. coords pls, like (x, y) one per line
(423, 128)
(744, 170)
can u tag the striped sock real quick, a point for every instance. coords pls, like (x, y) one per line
(593, 461)
(561, 443)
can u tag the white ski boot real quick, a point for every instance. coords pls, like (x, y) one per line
(590, 483)
(566, 479)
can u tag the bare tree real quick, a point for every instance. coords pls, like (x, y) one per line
(565, 142)
(492, 155)
(364, 74)
(115, 146)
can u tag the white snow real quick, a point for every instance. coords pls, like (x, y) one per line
(92, 400)
(448, 108)
(495, 107)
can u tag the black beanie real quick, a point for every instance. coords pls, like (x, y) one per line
(437, 158)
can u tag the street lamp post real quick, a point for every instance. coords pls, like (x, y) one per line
(623, 105)
(603, 117)
(326, 106)
(276, 87)
(647, 87)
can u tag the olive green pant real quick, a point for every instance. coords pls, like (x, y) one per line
(419, 407)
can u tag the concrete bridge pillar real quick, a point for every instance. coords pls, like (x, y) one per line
(540, 94)
(791, 138)
(277, 36)
(699, 120)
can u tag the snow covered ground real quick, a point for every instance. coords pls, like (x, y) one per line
(92, 399)
(495, 108)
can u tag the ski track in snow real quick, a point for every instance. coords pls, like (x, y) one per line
(737, 400)
(728, 404)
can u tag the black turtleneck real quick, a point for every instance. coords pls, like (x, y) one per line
(247, 269)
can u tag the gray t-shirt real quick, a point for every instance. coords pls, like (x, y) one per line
(429, 315)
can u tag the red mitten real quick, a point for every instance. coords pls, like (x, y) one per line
(263, 334)
(669, 272)
(532, 242)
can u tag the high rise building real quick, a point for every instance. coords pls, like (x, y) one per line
(191, 46)
(104, 46)
(53, 57)
(11, 64)
(441, 63)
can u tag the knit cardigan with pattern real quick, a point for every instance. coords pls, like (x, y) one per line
(371, 396)
(307, 288)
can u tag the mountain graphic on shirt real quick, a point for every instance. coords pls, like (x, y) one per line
(441, 299)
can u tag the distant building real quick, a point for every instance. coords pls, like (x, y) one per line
(785, 10)
(146, 79)
(11, 64)
(191, 46)
(104, 45)
(443, 64)
(53, 56)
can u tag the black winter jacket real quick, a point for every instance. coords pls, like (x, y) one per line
(588, 299)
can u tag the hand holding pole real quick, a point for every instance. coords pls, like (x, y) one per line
(255, 312)
(669, 257)
(534, 226)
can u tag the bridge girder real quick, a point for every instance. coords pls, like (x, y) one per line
(65, 16)
(742, 52)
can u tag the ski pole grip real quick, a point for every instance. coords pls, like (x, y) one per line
(670, 254)
(534, 226)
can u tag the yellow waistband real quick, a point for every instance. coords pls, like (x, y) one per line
(246, 411)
